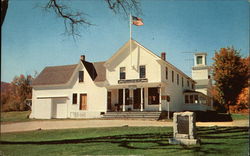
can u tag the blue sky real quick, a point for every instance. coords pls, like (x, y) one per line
(33, 39)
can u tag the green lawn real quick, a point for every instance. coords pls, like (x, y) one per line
(123, 141)
(15, 116)
(240, 116)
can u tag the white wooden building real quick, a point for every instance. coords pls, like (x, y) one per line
(129, 81)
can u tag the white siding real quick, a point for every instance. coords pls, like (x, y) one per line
(96, 99)
(139, 57)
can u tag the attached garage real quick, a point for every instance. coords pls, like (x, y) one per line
(48, 107)
(59, 108)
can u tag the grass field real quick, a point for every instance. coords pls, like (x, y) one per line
(15, 116)
(240, 116)
(124, 141)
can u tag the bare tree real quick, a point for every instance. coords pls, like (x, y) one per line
(74, 19)
(4, 8)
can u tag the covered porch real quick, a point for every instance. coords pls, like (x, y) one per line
(196, 101)
(137, 97)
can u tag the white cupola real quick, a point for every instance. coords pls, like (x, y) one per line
(200, 59)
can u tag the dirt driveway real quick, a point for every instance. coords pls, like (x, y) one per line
(66, 124)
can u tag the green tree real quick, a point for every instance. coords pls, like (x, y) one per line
(230, 75)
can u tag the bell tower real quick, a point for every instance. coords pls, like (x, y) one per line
(201, 73)
(200, 70)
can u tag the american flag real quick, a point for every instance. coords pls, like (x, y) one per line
(137, 21)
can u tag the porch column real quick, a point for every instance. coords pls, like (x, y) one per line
(160, 99)
(142, 99)
(123, 103)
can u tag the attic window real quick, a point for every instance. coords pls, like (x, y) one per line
(81, 76)
(142, 72)
(122, 73)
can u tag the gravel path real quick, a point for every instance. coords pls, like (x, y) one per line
(66, 124)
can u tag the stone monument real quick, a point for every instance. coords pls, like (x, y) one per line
(184, 129)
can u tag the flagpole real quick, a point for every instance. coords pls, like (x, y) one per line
(130, 37)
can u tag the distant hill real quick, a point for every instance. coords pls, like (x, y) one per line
(5, 86)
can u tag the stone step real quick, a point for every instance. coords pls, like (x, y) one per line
(133, 113)
(147, 115)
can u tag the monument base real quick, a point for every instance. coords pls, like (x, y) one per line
(184, 141)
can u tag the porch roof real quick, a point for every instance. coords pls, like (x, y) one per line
(53, 96)
(136, 85)
(193, 92)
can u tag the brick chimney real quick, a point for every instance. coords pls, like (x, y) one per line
(163, 56)
(82, 57)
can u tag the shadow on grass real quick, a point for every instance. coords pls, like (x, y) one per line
(212, 139)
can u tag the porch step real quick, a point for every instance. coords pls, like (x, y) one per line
(146, 115)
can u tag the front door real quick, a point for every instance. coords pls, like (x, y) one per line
(137, 98)
(120, 97)
(109, 101)
(83, 101)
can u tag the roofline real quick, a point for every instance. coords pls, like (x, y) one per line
(55, 85)
(50, 85)
(152, 53)
(116, 53)
(200, 53)
(168, 63)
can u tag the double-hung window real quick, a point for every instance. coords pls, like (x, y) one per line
(166, 72)
(142, 72)
(172, 76)
(81, 76)
(177, 79)
(74, 98)
(199, 60)
(122, 73)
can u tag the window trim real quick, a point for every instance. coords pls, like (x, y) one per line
(166, 73)
(182, 81)
(172, 76)
(74, 98)
(177, 79)
(140, 76)
(157, 96)
(79, 74)
(120, 76)
(200, 57)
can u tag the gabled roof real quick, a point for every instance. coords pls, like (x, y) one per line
(127, 44)
(58, 75)
(91, 69)
(101, 71)
(96, 70)
(150, 52)
(55, 75)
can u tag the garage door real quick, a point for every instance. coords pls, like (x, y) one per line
(59, 108)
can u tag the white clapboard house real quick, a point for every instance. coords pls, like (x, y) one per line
(134, 79)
